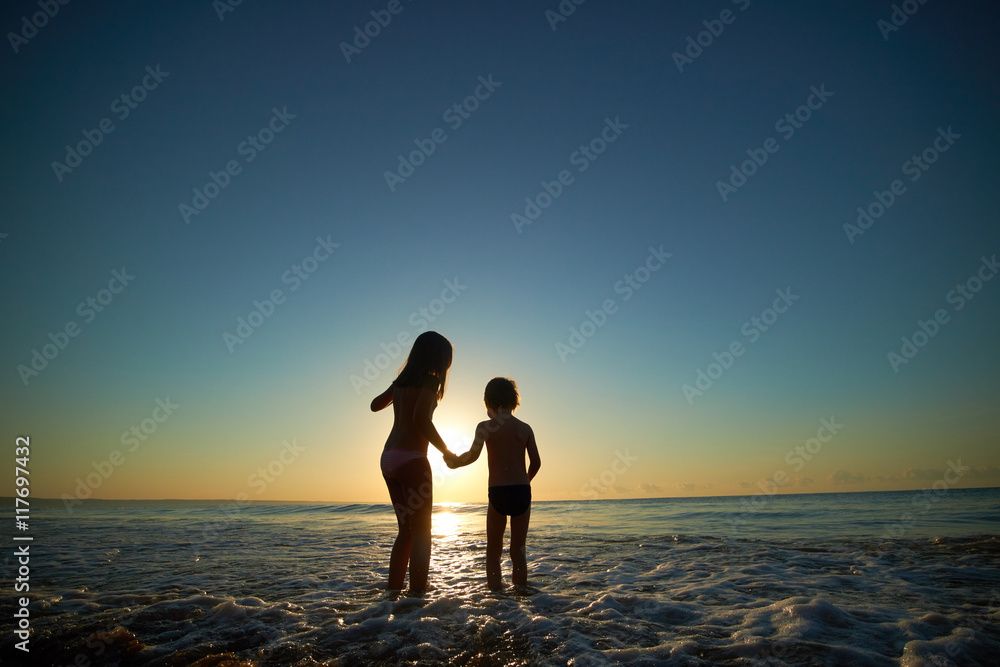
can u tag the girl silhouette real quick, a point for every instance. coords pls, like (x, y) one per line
(414, 395)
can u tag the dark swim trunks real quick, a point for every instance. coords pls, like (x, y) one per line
(512, 500)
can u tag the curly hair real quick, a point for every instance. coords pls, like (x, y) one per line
(501, 393)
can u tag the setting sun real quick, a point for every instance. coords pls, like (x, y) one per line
(467, 484)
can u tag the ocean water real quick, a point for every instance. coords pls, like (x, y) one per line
(900, 578)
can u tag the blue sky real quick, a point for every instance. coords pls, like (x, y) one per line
(552, 92)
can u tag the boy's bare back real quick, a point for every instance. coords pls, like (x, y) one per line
(508, 440)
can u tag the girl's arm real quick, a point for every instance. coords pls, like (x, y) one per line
(426, 402)
(474, 451)
(383, 400)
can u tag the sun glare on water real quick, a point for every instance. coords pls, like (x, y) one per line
(445, 524)
(454, 530)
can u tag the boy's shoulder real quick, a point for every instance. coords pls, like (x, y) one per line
(492, 426)
(488, 427)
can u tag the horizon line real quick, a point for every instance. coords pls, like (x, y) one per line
(453, 502)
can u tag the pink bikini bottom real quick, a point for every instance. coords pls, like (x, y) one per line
(394, 459)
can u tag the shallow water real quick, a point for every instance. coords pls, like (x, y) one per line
(814, 580)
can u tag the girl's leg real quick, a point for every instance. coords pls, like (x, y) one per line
(401, 547)
(416, 483)
(518, 555)
(496, 524)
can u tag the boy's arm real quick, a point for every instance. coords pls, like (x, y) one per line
(476, 449)
(534, 461)
(383, 400)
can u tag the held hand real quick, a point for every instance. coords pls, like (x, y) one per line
(450, 459)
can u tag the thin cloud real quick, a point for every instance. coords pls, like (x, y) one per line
(845, 477)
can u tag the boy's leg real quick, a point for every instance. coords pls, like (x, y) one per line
(496, 524)
(417, 487)
(518, 554)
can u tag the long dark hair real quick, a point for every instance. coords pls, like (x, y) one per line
(430, 356)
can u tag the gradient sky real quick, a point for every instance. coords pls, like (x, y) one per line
(612, 419)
